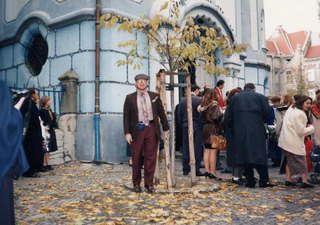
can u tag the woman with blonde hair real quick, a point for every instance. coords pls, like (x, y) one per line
(50, 123)
(212, 119)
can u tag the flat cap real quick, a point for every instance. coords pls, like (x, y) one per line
(141, 76)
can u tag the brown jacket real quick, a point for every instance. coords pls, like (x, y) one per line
(130, 114)
(212, 119)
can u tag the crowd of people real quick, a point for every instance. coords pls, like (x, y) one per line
(256, 129)
(39, 132)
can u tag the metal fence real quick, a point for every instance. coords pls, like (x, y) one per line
(55, 93)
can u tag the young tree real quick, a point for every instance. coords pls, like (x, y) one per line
(178, 45)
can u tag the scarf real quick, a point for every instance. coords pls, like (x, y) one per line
(315, 111)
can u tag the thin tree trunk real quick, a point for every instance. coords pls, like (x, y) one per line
(157, 171)
(166, 138)
(190, 131)
(172, 131)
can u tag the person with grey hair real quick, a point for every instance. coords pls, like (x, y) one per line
(141, 113)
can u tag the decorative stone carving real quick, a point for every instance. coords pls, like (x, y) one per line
(137, 1)
(69, 82)
(13, 8)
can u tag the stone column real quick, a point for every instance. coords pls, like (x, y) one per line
(69, 82)
(67, 121)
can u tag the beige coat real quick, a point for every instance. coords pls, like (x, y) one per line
(293, 131)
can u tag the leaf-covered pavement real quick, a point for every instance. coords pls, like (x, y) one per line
(78, 193)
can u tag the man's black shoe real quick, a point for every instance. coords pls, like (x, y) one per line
(149, 189)
(226, 170)
(137, 189)
(238, 181)
(199, 174)
(266, 184)
(290, 184)
(250, 184)
(43, 169)
(185, 173)
(49, 168)
(31, 175)
(306, 185)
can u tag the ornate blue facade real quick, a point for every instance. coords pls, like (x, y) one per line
(68, 28)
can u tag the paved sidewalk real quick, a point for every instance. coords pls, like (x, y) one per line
(80, 193)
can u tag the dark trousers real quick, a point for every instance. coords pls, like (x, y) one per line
(144, 147)
(274, 151)
(198, 148)
(6, 202)
(261, 169)
(237, 172)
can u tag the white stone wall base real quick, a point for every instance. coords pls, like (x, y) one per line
(65, 140)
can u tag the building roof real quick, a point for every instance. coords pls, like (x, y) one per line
(298, 38)
(283, 43)
(313, 52)
(271, 46)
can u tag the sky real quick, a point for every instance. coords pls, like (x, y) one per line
(293, 15)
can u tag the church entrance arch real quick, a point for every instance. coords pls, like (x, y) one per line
(205, 16)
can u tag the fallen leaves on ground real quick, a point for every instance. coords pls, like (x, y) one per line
(87, 194)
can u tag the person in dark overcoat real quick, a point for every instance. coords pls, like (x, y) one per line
(49, 120)
(197, 131)
(33, 140)
(12, 158)
(245, 118)
(141, 113)
(237, 172)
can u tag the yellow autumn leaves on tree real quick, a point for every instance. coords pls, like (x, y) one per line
(178, 44)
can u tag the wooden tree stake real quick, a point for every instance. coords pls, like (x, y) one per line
(190, 131)
(166, 138)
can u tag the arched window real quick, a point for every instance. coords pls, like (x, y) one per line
(36, 54)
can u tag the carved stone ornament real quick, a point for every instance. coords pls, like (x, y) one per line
(137, 1)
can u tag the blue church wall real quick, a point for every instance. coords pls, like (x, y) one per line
(59, 65)
(3, 75)
(19, 51)
(85, 138)
(6, 55)
(257, 76)
(71, 46)
(113, 139)
(116, 83)
(251, 75)
(68, 40)
(12, 77)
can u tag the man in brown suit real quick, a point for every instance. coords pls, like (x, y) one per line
(142, 110)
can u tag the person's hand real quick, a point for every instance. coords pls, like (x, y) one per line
(166, 133)
(310, 125)
(19, 103)
(129, 139)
